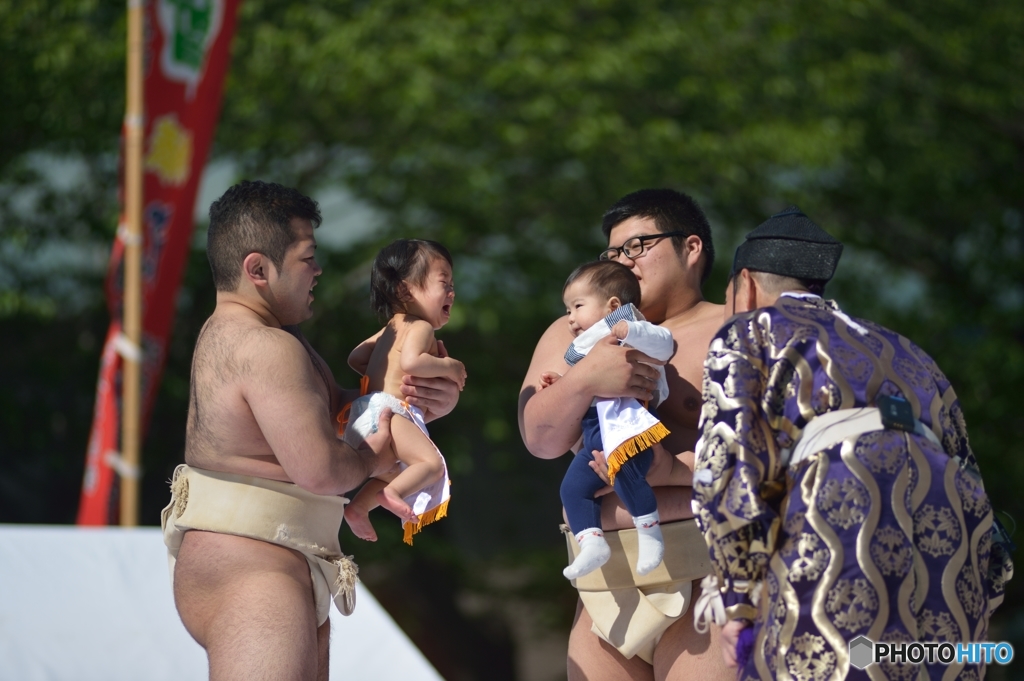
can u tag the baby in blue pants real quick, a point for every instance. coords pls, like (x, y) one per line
(601, 299)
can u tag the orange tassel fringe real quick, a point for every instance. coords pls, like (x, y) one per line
(364, 387)
(426, 518)
(634, 446)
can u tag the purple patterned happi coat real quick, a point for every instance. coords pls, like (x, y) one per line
(884, 535)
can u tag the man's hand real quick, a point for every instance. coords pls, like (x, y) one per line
(600, 466)
(730, 637)
(379, 444)
(436, 397)
(613, 371)
(666, 470)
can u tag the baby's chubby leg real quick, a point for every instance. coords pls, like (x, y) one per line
(650, 543)
(583, 512)
(425, 467)
(357, 513)
(637, 496)
(594, 552)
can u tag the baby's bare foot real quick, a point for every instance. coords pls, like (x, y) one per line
(359, 521)
(390, 500)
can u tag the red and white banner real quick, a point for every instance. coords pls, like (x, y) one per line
(187, 49)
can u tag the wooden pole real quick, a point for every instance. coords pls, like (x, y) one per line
(132, 236)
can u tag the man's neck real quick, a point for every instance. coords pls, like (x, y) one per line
(683, 306)
(229, 300)
(798, 293)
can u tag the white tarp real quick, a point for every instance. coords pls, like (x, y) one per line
(81, 604)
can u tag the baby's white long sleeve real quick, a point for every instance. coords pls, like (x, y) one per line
(654, 341)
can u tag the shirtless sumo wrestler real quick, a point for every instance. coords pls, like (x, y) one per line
(670, 271)
(263, 404)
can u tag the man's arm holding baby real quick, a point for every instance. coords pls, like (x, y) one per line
(670, 478)
(417, 360)
(294, 417)
(554, 399)
(549, 418)
(667, 470)
(436, 397)
(657, 342)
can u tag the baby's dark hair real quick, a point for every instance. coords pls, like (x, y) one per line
(402, 260)
(610, 278)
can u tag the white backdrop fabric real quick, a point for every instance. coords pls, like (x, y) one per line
(95, 604)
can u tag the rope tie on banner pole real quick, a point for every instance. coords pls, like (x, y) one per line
(124, 468)
(127, 237)
(127, 349)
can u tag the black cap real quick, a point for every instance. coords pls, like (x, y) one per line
(789, 244)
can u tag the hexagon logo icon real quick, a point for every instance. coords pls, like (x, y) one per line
(862, 652)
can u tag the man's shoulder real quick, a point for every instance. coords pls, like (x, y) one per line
(705, 319)
(557, 337)
(243, 331)
(245, 340)
(549, 353)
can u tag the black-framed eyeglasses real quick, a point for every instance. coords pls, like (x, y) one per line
(634, 248)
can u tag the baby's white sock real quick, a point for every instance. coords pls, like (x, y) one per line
(650, 543)
(594, 552)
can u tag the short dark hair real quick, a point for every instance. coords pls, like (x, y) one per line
(610, 278)
(401, 260)
(253, 217)
(671, 211)
(777, 283)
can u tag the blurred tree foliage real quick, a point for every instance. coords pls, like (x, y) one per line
(504, 130)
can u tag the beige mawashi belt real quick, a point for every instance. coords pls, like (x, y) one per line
(632, 611)
(267, 510)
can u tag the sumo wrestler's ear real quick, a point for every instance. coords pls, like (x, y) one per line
(692, 249)
(746, 294)
(256, 268)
